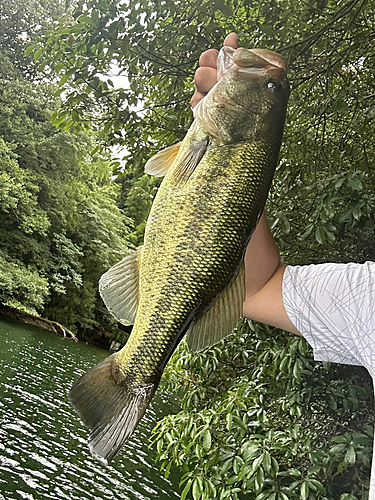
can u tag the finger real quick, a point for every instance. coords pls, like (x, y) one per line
(205, 78)
(197, 96)
(209, 58)
(231, 41)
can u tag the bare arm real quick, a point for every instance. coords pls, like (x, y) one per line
(263, 279)
(263, 270)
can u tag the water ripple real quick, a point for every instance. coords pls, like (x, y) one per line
(43, 451)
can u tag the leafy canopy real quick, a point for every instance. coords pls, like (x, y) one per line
(60, 226)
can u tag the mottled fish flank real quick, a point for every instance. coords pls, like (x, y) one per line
(189, 277)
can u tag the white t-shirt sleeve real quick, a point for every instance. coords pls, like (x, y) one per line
(333, 307)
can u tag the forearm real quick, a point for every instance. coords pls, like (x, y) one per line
(262, 258)
(264, 280)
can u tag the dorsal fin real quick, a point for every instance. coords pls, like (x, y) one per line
(190, 161)
(220, 319)
(159, 164)
(119, 288)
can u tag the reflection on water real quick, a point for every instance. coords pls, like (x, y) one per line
(43, 451)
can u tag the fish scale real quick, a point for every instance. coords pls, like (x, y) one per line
(189, 275)
(225, 227)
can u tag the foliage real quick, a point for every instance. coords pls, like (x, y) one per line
(137, 205)
(22, 287)
(157, 44)
(326, 170)
(21, 22)
(260, 418)
(60, 226)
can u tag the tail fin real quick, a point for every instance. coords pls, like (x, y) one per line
(110, 407)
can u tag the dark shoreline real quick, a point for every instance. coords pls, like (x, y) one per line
(37, 321)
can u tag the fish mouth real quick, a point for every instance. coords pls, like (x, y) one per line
(258, 58)
(258, 62)
(258, 66)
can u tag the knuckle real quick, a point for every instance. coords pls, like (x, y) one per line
(209, 58)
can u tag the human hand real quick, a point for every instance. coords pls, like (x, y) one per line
(206, 75)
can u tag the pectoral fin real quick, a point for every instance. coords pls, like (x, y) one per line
(221, 318)
(119, 288)
(159, 164)
(190, 161)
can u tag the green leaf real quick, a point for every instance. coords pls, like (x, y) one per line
(260, 478)
(229, 421)
(257, 463)
(350, 456)
(240, 423)
(264, 495)
(63, 79)
(207, 440)
(59, 66)
(58, 92)
(355, 184)
(266, 461)
(211, 489)
(29, 49)
(361, 439)
(197, 488)
(320, 235)
(186, 489)
(337, 448)
(294, 472)
(297, 371)
(37, 54)
(318, 485)
(285, 226)
(125, 45)
(357, 212)
(226, 466)
(304, 490)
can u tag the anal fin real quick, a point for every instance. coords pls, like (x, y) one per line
(221, 318)
(119, 288)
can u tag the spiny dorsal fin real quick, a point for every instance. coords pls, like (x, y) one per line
(221, 318)
(110, 406)
(119, 288)
(159, 164)
(190, 161)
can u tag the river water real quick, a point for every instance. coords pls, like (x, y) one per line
(43, 452)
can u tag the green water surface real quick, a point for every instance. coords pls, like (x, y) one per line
(43, 452)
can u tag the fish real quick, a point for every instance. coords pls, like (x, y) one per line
(188, 278)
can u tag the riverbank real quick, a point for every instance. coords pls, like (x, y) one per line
(98, 338)
(44, 323)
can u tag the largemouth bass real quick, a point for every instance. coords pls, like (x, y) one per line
(188, 277)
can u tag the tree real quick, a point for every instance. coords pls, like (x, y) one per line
(261, 419)
(157, 45)
(60, 225)
(20, 24)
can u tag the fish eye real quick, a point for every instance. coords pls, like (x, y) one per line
(273, 86)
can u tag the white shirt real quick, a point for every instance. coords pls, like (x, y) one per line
(333, 307)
